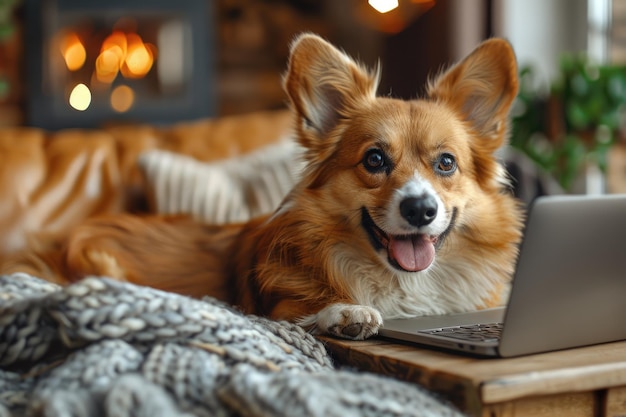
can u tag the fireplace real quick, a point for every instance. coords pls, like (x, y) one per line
(91, 62)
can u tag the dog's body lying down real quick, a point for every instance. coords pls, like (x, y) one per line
(402, 209)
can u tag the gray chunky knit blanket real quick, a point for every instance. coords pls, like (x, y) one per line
(101, 347)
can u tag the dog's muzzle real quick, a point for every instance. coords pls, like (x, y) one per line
(410, 252)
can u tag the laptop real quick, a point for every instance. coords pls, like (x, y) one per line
(569, 287)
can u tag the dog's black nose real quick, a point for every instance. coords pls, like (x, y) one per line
(419, 211)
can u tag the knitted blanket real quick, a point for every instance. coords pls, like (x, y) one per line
(101, 347)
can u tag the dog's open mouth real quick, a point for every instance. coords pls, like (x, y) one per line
(410, 253)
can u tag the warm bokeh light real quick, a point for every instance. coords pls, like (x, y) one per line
(117, 42)
(383, 6)
(126, 53)
(391, 16)
(73, 52)
(122, 54)
(122, 98)
(139, 58)
(108, 64)
(111, 57)
(80, 97)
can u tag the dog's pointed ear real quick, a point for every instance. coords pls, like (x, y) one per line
(481, 88)
(323, 83)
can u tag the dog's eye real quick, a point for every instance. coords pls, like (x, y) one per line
(446, 164)
(374, 160)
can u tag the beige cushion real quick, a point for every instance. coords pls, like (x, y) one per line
(226, 191)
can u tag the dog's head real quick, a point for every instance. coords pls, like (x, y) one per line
(405, 176)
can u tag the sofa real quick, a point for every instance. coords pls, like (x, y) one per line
(52, 181)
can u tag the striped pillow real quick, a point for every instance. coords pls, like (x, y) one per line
(225, 191)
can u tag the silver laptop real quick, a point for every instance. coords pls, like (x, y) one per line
(569, 288)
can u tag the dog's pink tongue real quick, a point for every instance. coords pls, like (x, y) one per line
(414, 253)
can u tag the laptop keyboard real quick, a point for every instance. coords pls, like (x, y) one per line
(477, 332)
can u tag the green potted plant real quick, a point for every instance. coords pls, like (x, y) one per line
(573, 124)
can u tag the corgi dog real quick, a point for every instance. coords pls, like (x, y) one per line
(402, 209)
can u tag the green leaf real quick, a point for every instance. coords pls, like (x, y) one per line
(577, 116)
(579, 85)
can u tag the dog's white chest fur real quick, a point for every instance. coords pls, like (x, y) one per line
(446, 287)
(379, 295)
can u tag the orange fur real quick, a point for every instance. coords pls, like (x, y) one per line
(317, 259)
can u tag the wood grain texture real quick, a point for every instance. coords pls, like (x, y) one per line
(615, 402)
(473, 383)
(570, 405)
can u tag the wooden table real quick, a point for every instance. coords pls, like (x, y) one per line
(588, 381)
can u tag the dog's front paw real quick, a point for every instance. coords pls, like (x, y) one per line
(348, 321)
